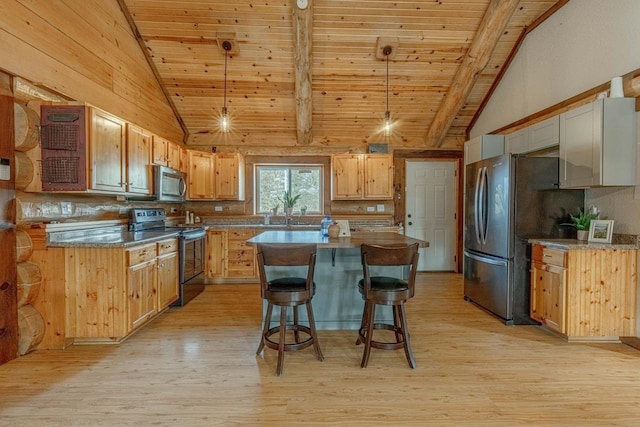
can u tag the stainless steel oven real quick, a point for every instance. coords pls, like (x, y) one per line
(191, 242)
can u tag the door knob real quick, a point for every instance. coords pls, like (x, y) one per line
(409, 216)
(410, 223)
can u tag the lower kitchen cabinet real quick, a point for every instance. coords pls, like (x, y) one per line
(110, 292)
(168, 266)
(216, 253)
(229, 256)
(585, 294)
(142, 300)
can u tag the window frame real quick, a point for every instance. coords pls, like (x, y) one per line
(321, 182)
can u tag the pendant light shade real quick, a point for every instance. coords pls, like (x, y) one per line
(225, 122)
(388, 125)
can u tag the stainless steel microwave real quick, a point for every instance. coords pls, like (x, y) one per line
(169, 184)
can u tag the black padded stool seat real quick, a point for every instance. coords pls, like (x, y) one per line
(288, 292)
(386, 290)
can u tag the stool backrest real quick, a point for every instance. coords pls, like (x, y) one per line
(392, 255)
(292, 255)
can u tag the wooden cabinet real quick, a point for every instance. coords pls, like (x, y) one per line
(549, 287)
(107, 149)
(168, 265)
(87, 149)
(110, 292)
(536, 137)
(215, 176)
(166, 153)
(229, 177)
(174, 156)
(483, 147)
(241, 256)
(229, 256)
(585, 293)
(598, 144)
(201, 175)
(347, 176)
(362, 176)
(139, 172)
(159, 150)
(142, 301)
(216, 253)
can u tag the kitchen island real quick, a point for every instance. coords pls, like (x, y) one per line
(337, 303)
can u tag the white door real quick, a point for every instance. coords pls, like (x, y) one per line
(430, 211)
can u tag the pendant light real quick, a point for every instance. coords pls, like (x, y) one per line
(387, 114)
(225, 122)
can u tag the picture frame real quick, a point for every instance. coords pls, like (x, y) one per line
(601, 230)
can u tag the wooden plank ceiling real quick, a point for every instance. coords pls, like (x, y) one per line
(348, 81)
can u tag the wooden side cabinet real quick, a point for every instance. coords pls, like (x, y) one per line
(585, 294)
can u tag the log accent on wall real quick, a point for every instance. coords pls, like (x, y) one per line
(8, 289)
(303, 59)
(491, 28)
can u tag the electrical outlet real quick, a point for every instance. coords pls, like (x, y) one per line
(218, 208)
(174, 210)
(371, 209)
(380, 208)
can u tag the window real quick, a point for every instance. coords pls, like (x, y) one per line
(273, 180)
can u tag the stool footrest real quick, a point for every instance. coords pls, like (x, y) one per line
(288, 346)
(395, 345)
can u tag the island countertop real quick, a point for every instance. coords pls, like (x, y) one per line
(354, 241)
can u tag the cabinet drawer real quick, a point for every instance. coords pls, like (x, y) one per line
(167, 246)
(141, 254)
(555, 257)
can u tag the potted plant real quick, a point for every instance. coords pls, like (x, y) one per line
(581, 222)
(289, 201)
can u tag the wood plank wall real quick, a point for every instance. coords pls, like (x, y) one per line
(86, 51)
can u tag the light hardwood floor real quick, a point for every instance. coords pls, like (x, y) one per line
(196, 366)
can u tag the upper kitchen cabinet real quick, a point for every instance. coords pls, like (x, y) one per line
(86, 149)
(200, 175)
(166, 153)
(378, 176)
(362, 176)
(107, 148)
(598, 144)
(536, 137)
(229, 176)
(139, 173)
(215, 176)
(483, 147)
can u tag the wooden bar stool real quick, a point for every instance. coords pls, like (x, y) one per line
(288, 292)
(386, 290)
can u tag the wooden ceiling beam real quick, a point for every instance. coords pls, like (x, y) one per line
(493, 23)
(303, 60)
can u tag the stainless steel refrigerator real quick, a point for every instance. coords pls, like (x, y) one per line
(509, 199)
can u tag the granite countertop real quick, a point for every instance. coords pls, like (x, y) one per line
(356, 239)
(109, 237)
(579, 244)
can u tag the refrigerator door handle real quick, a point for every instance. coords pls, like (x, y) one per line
(482, 208)
(476, 204)
(486, 260)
